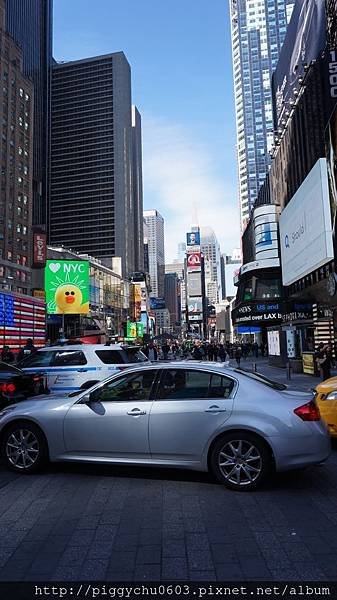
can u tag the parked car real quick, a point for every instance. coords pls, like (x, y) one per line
(326, 398)
(238, 425)
(69, 367)
(15, 385)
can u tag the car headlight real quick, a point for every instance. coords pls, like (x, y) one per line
(5, 411)
(331, 396)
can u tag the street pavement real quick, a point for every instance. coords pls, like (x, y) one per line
(86, 522)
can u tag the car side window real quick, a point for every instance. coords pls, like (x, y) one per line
(130, 388)
(184, 384)
(110, 357)
(68, 358)
(221, 387)
(37, 359)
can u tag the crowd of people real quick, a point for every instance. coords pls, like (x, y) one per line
(199, 350)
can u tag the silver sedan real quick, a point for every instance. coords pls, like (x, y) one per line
(236, 424)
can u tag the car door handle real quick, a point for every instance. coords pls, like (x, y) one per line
(82, 370)
(215, 409)
(135, 412)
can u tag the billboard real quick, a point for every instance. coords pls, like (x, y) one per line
(305, 40)
(194, 284)
(193, 238)
(305, 227)
(67, 287)
(266, 232)
(194, 261)
(39, 249)
(194, 305)
(157, 303)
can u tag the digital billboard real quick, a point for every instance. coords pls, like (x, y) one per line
(67, 286)
(305, 40)
(193, 238)
(194, 284)
(157, 303)
(194, 305)
(305, 227)
(194, 261)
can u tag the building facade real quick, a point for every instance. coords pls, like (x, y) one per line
(16, 166)
(137, 189)
(156, 251)
(210, 248)
(172, 295)
(92, 158)
(29, 22)
(258, 31)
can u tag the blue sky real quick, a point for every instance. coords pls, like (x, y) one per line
(180, 56)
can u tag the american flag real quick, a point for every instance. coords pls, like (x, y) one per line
(21, 317)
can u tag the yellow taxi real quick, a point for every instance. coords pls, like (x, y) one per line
(326, 398)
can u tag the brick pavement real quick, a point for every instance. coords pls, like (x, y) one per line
(79, 522)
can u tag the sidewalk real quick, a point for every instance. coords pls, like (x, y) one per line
(298, 381)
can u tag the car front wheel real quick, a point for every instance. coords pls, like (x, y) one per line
(241, 461)
(24, 448)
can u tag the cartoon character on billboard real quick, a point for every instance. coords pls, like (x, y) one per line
(68, 299)
(67, 287)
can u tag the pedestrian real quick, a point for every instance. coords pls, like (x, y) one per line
(29, 348)
(210, 352)
(6, 355)
(237, 355)
(166, 349)
(216, 352)
(324, 360)
(151, 352)
(222, 353)
(197, 354)
(256, 350)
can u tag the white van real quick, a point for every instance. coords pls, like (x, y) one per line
(67, 368)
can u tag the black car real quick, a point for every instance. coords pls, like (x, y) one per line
(15, 385)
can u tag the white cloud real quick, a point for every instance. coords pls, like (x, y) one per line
(181, 182)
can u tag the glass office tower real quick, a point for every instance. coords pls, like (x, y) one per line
(29, 22)
(258, 31)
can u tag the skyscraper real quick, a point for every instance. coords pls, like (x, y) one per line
(210, 249)
(137, 189)
(93, 164)
(258, 31)
(156, 251)
(29, 22)
(16, 165)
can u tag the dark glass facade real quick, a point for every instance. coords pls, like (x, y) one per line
(29, 22)
(91, 207)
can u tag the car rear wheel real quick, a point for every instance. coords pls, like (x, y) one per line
(24, 448)
(241, 461)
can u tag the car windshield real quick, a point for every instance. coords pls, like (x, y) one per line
(262, 379)
(135, 355)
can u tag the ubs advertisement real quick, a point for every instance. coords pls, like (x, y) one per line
(304, 41)
(306, 228)
(258, 312)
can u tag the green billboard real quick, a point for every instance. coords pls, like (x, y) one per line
(67, 287)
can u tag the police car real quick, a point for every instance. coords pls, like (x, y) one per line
(69, 368)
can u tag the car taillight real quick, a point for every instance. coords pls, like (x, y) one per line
(8, 388)
(308, 412)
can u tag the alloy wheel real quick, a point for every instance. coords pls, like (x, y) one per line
(240, 462)
(22, 448)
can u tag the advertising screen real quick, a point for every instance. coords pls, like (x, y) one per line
(194, 261)
(194, 284)
(305, 39)
(157, 303)
(305, 227)
(274, 343)
(194, 305)
(67, 286)
(193, 238)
